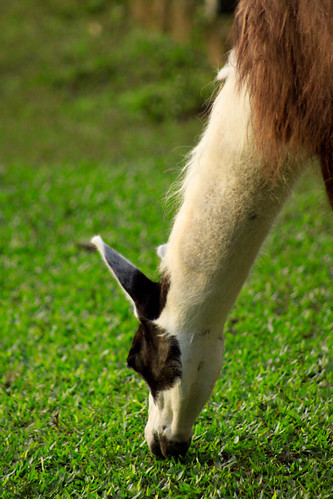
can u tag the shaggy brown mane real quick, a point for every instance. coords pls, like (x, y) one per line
(284, 50)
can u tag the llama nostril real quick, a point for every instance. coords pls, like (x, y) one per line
(155, 447)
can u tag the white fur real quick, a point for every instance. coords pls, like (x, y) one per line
(228, 208)
(227, 68)
(161, 250)
(98, 242)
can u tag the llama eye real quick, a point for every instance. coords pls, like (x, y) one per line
(137, 347)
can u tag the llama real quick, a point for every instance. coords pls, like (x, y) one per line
(272, 117)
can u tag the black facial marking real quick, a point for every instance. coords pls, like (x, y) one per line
(154, 354)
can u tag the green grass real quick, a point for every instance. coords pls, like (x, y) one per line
(95, 128)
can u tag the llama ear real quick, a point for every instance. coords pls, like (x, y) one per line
(144, 293)
(161, 250)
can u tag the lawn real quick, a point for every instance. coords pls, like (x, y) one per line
(97, 116)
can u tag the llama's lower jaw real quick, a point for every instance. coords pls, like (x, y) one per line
(163, 448)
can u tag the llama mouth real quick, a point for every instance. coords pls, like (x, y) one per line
(162, 447)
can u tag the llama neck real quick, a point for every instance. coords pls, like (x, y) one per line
(227, 211)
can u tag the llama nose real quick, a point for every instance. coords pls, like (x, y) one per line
(171, 448)
(162, 447)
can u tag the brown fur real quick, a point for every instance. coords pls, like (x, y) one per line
(284, 51)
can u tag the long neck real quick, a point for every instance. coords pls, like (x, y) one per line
(228, 208)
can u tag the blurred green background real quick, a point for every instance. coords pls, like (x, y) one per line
(81, 81)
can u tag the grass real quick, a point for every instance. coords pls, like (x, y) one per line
(95, 128)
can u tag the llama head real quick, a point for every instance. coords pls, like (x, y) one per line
(154, 354)
(167, 362)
